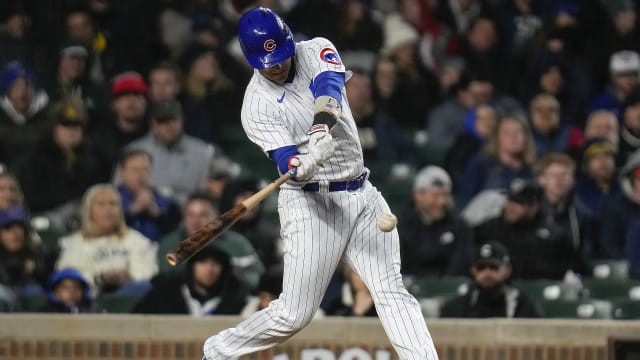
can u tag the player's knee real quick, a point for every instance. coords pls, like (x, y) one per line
(291, 321)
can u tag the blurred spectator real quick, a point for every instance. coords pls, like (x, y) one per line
(110, 256)
(185, 159)
(165, 82)
(14, 26)
(489, 293)
(446, 121)
(556, 176)
(509, 154)
(197, 213)
(145, 209)
(451, 70)
(62, 165)
(601, 124)
(356, 299)
(624, 69)
(359, 29)
(263, 235)
(270, 286)
(550, 133)
(630, 128)
(22, 112)
(207, 286)
(128, 121)
(621, 218)
(485, 92)
(481, 51)
(69, 292)
(416, 88)
(71, 78)
(22, 259)
(380, 136)
(456, 17)
(479, 123)
(211, 99)
(433, 239)
(10, 191)
(596, 177)
(539, 250)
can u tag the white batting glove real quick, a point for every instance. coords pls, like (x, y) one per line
(305, 166)
(321, 143)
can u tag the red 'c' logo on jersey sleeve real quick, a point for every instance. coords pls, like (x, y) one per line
(270, 45)
(330, 56)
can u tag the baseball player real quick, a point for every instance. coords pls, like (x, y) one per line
(295, 109)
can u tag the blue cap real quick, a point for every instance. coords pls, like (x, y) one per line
(12, 72)
(264, 37)
(11, 215)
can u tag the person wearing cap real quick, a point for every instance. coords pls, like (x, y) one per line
(206, 286)
(145, 209)
(22, 259)
(71, 78)
(23, 107)
(128, 120)
(620, 235)
(69, 292)
(63, 164)
(630, 128)
(596, 175)
(538, 250)
(489, 293)
(434, 240)
(197, 212)
(624, 70)
(185, 159)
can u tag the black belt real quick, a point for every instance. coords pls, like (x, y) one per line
(348, 185)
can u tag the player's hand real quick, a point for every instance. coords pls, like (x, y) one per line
(305, 166)
(321, 143)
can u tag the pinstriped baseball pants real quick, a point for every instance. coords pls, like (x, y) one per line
(317, 229)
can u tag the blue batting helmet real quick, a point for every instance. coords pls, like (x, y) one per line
(265, 38)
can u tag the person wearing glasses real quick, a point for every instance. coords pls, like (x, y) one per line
(489, 294)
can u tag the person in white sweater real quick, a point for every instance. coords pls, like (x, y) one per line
(110, 255)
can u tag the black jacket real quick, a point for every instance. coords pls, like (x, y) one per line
(504, 301)
(437, 248)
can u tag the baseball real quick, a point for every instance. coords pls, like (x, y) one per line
(387, 222)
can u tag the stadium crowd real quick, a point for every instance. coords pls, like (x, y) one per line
(504, 133)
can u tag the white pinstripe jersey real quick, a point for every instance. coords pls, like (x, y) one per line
(274, 116)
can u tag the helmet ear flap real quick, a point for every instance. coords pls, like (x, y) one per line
(265, 38)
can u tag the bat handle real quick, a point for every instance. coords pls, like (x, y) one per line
(255, 199)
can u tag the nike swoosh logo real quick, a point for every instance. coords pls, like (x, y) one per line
(281, 98)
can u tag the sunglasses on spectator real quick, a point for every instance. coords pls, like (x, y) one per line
(482, 267)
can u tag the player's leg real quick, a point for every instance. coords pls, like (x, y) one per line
(375, 256)
(312, 248)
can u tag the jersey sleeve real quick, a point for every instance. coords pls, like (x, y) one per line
(321, 55)
(263, 123)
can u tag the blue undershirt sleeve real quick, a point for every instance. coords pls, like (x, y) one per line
(328, 83)
(281, 157)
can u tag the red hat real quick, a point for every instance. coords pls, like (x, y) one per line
(128, 82)
(637, 173)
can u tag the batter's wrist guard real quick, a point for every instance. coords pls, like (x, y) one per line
(327, 111)
(318, 128)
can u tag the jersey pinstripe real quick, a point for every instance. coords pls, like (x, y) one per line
(274, 116)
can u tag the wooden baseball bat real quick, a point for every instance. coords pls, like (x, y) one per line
(201, 238)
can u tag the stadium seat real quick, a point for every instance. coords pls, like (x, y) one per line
(609, 269)
(606, 289)
(577, 309)
(625, 309)
(432, 286)
(118, 303)
(31, 303)
(547, 290)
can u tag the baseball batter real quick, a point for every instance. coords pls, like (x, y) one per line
(295, 109)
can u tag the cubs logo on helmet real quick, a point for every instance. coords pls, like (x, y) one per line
(270, 45)
(330, 56)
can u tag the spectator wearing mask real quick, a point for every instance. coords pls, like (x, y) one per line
(197, 213)
(185, 159)
(69, 292)
(207, 287)
(538, 250)
(110, 256)
(145, 209)
(596, 177)
(22, 112)
(489, 294)
(433, 239)
(621, 218)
